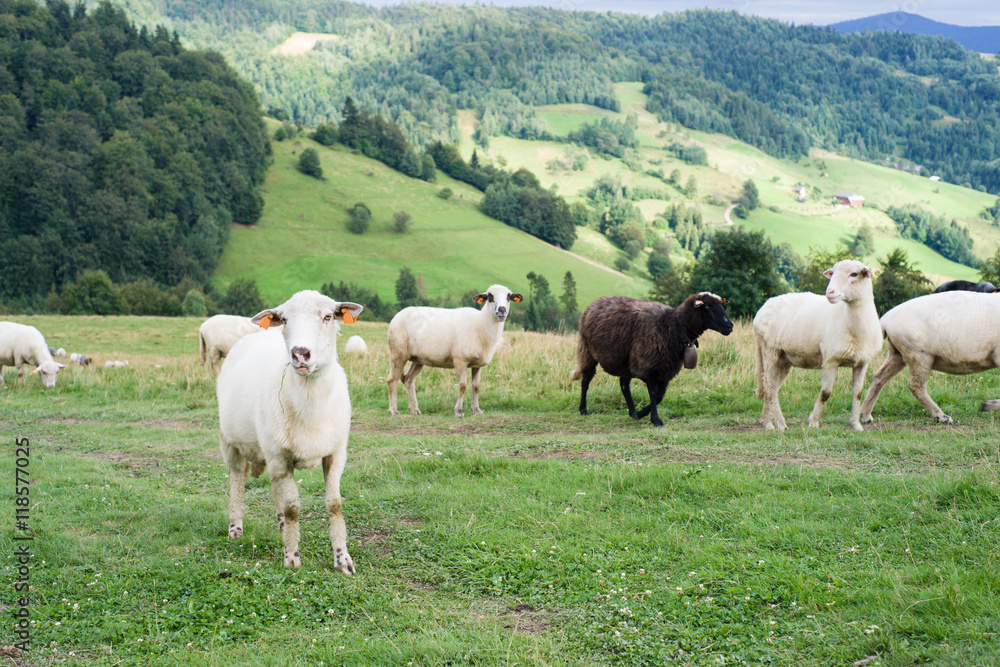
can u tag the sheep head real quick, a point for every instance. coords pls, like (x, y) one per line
(850, 280)
(498, 298)
(309, 322)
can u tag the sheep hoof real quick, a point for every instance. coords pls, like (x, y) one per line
(867, 420)
(477, 411)
(294, 560)
(415, 411)
(343, 561)
(235, 531)
(945, 419)
(393, 412)
(858, 427)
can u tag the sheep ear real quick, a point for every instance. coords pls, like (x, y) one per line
(698, 303)
(828, 273)
(516, 298)
(724, 300)
(266, 318)
(349, 311)
(479, 298)
(866, 272)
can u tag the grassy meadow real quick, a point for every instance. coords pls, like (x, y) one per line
(525, 536)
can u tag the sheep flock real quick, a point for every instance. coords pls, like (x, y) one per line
(284, 402)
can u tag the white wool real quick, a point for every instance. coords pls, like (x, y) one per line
(459, 338)
(218, 334)
(807, 330)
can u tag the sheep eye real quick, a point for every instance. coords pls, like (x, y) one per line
(854, 274)
(327, 317)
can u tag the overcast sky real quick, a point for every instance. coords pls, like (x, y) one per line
(816, 12)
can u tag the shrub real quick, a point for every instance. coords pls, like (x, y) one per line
(401, 222)
(360, 218)
(194, 304)
(309, 163)
(243, 298)
(622, 263)
(92, 293)
(445, 193)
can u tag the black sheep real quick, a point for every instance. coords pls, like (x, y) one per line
(967, 286)
(645, 340)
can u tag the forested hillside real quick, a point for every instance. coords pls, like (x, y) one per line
(120, 151)
(781, 88)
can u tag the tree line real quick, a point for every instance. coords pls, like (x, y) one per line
(780, 87)
(120, 152)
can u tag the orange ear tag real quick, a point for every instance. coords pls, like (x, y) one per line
(348, 318)
(265, 321)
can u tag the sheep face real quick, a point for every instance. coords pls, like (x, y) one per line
(47, 371)
(498, 298)
(849, 281)
(713, 313)
(309, 322)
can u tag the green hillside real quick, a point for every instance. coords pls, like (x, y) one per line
(302, 241)
(813, 223)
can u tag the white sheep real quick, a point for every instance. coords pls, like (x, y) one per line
(116, 363)
(356, 345)
(78, 358)
(956, 332)
(24, 344)
(283, 404)
(459, 338)
(218, 334)
(809, 331)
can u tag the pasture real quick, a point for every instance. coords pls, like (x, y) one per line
(525, 536)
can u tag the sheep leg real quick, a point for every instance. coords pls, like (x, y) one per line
(892, 365)
(395, 373)
(828, 376)
(333, 467)
(775, 373)
(857, 383)
(656, 392)
(474, 384)
(238, 466)
(410, 382)
(461, 372)
(586, 374)
(3, 383)
(285, 492)
(920, 373)
(626, 384)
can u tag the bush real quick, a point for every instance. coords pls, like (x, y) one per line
(658, 264)
(445, 193)
(243, 298)
(194, 304)
(92, 293)
(401, 222)
(309, 163)
(622, 263)
(145, 298)
(360, 218)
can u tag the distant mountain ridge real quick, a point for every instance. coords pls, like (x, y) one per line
(982, 39)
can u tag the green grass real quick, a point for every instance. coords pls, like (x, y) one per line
(527, 535)
(302, 241)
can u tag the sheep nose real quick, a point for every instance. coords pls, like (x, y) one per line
(300, 355)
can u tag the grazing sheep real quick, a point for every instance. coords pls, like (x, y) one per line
(356, 345)
(950, 332)
(805, 331)
(645, 340)
(78, 358)
(116, 363)
(24, 344)
(459, 338)
(219, 333)
(283, 404)
(967, 286)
